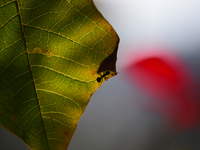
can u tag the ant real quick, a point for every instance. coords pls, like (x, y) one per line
(103, 76)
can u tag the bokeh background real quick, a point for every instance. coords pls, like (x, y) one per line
(119, 115)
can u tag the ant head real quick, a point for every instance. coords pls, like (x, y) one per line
(99, 79)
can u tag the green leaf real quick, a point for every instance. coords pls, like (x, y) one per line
(51, 54)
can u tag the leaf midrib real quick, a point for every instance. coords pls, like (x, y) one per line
(26, 46)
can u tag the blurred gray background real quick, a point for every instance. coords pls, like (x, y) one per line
(112, 120)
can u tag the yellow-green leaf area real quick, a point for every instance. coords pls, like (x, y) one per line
(51, 54)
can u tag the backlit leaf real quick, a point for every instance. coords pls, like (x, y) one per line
(51, 53)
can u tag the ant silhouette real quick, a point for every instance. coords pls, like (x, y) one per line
(103, 76)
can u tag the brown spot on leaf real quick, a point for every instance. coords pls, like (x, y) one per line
(48, 53)
(91, 94)
(14, 117)
(66, 145)
(37, 50)
(66, 133)
(93, 73)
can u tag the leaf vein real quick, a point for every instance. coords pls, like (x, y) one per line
(22, 24)
(51, 118)
(55, 139)
(26, 102)
(9, 20)
(59, 56)
(31, 122)
(26, 114)
(61, 73)
(59, 95)
(7, 3)
(11, 62)
(64, 37)
(92, 21)
(11, 44)
(54, 112)
(14, 95)
(17, 77)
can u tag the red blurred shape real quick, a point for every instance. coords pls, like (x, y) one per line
(166, 78)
